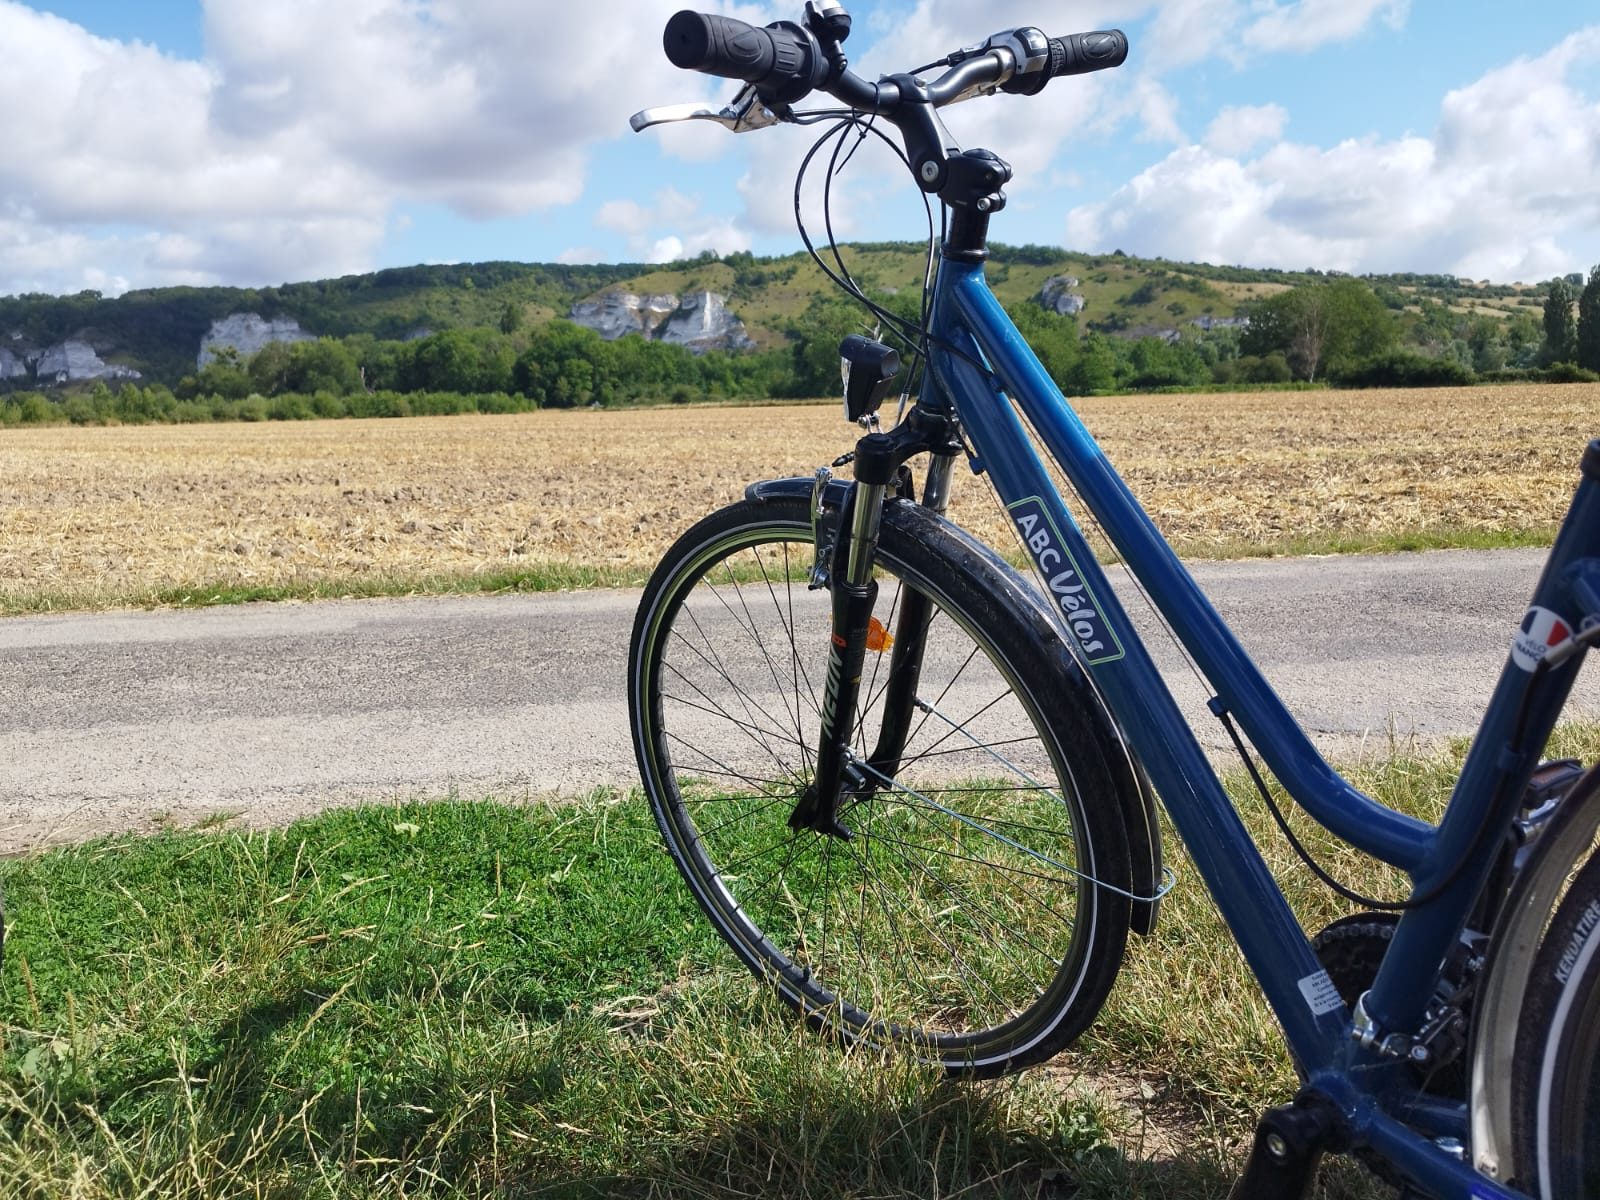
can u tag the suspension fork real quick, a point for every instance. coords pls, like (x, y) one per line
(879, 457)
(910, 642)
(854, 592)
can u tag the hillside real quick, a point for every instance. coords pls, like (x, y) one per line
(159, 332)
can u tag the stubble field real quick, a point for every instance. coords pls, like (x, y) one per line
(103, 517)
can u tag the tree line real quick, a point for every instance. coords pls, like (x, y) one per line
(1328, 330)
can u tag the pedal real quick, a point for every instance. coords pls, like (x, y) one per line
(1290, 1141)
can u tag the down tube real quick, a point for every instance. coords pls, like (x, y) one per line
(1313, 1017)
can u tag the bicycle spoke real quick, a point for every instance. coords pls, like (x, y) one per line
(781, 735)
(955, 955)
(1001, 923)
(714, 662)
(723, 767)
(755, 636)
(749, 727)
(706, 832)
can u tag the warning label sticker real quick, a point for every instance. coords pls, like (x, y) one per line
(1541, 630)
(1320, 993)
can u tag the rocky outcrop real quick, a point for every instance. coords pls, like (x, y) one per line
(12, 366)
(76, 362)
(1057, 296)
(700, 320)
(617, 314)
(247, 333)
(703, 322)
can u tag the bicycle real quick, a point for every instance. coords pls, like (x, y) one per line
(915, 791)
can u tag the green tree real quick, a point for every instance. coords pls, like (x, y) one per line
(1096, 368)
(825, 323)
(1588, 332)
(324, 365)
(223, 377)
(442, 362)
(269, 368)
(1486, 342)
(1321, 326)
(1560, 329)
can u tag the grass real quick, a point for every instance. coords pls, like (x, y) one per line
(467, 999)
(108, 517)
(550, 577)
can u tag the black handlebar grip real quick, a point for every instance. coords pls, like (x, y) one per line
(782, 60)
(1080, 53)
(1075, 54)
(718, 46)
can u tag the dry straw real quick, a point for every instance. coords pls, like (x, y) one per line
(104, 516)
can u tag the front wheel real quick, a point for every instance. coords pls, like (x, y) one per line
(978, 911)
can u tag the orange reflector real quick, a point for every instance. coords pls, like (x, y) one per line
(879, 639)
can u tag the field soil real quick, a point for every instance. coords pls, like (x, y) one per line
(103, 517)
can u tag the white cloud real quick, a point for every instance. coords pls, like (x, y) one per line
(1235, 131)
(1307, 24)
(284, 152)
(1512, 172)
(667, 249)
(669, 228)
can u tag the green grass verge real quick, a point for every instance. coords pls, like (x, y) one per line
(557, 577)
(471, 999)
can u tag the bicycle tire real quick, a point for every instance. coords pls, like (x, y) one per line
(1556, 1085)
(959, 920)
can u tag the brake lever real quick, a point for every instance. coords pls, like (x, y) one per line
(744, 113)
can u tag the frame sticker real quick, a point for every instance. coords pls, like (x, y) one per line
(1097, 641)
(1320, 993)
(1541, 631)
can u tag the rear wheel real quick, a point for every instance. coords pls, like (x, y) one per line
(1556, 1090)
(978, 912)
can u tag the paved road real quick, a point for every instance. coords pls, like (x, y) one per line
(115, 720)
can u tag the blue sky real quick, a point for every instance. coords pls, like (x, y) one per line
(236, 142)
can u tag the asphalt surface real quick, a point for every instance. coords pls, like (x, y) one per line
(121, 720)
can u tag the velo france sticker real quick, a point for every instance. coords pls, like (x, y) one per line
(1541, 631)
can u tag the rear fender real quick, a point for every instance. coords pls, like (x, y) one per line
(1563, 845)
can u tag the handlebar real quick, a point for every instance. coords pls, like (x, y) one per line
(785, 62)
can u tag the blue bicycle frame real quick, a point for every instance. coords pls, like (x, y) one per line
(1448, 864)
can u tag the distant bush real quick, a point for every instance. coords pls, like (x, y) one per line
(1561, 372)
(1269, 368)
(1404, 368)
(1566, 372)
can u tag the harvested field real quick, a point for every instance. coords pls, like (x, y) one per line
(94, 517)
